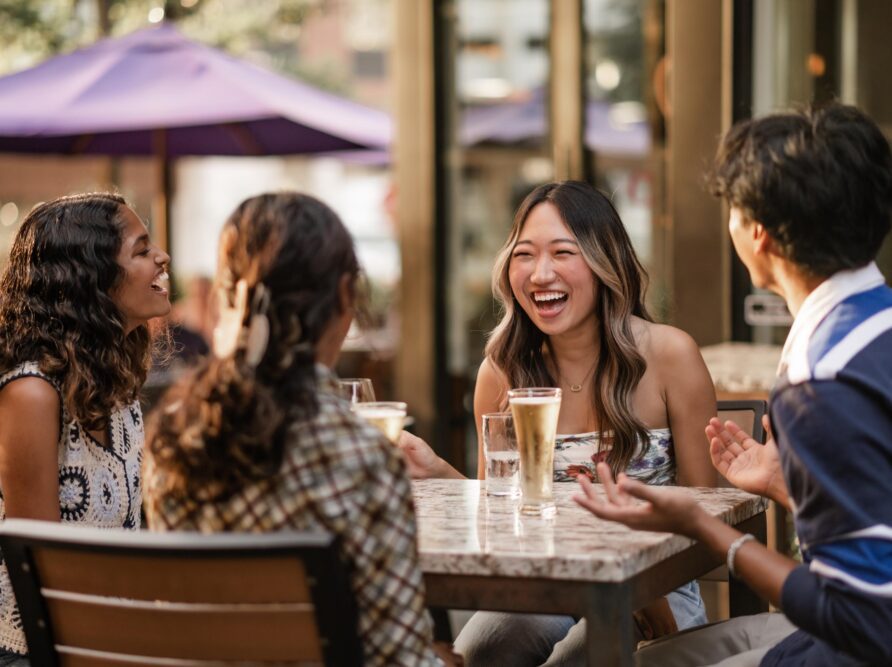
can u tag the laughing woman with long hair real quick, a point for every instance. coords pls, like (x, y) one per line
(82, 282)
(636, 394)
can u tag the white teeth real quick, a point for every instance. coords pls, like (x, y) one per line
(161, 281)
(540, 297)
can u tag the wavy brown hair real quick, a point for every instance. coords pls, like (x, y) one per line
(226, 426)
(56, 308)
(517, 346)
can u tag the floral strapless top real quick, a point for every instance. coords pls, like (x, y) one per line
(579, 454)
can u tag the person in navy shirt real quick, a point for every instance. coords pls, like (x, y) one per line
(810, 198)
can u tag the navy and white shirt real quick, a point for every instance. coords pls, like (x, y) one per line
(831, 412)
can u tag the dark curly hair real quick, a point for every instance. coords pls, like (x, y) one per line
(225, 426)
(819, 181)
(56, 308)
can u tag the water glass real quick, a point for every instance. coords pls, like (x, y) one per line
(500, 455)
(388, 416)
(357, 390)
(536, 413)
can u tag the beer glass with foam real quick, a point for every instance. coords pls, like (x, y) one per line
(388, 416)
(535, 413)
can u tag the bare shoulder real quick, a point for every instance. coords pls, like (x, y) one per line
(30, 396)
(491, 386)
(29, 420)
(489, 372)
(662, 344)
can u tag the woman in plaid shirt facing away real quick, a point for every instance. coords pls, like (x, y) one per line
(259, 440)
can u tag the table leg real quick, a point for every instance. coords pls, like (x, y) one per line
(442, 627)
(609, 638)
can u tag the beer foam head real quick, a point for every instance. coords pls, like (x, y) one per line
(534, 400)
(379, 413)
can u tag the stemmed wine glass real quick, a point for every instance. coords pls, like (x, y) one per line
(357, 390)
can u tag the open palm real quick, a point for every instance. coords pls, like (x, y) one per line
(747, 464)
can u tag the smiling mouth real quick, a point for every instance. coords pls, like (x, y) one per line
(549, 302)
(160, 283)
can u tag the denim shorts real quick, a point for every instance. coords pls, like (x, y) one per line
(496, 639)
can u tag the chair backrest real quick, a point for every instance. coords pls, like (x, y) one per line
(97, 598)
(746, 414)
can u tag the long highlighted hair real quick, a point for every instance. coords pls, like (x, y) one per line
(518, 348)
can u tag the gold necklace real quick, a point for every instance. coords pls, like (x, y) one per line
(576, 388)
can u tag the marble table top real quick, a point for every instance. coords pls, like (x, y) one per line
(464, 531)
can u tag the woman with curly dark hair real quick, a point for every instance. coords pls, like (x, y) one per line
(82, 282)
(260, 440)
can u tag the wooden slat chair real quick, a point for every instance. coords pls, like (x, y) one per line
(108, 598)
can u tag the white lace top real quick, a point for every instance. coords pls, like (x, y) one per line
(98, 485)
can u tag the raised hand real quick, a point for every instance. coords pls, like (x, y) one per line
(745, 463)
(664, 509)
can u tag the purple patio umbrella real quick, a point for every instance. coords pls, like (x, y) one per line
(517, 122)
(156, 91)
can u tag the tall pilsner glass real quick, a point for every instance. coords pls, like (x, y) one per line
(535, 413)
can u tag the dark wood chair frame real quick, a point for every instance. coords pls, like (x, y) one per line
(334, 605)
(758, 408)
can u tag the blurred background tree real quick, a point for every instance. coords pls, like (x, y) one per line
(264, 31)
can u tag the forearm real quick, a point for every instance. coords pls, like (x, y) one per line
(763, 570)
(777, 492)
(444, 470)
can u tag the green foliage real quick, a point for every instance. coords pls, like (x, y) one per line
(30, 30)
(265, 31)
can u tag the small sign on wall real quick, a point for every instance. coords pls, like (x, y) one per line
(761, 310)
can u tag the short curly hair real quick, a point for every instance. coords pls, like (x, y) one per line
(818, 180)
(56, 308)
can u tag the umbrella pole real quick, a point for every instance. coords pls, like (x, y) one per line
(163, 191)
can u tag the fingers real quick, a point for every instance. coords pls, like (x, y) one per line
(403, 441)
(721, 457)
(766, 424)
(605, 476)
(629, 515)
(729, 433)
(740, 437)
(587, 487)
(588, 498)
(636, 489)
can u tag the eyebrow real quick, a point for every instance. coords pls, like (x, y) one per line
(142, 238)
(550, 242)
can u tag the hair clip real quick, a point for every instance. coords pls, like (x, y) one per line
(231, 332)
(258, 330)
(229, 324)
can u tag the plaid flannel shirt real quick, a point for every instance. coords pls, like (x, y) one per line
(339, 474)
